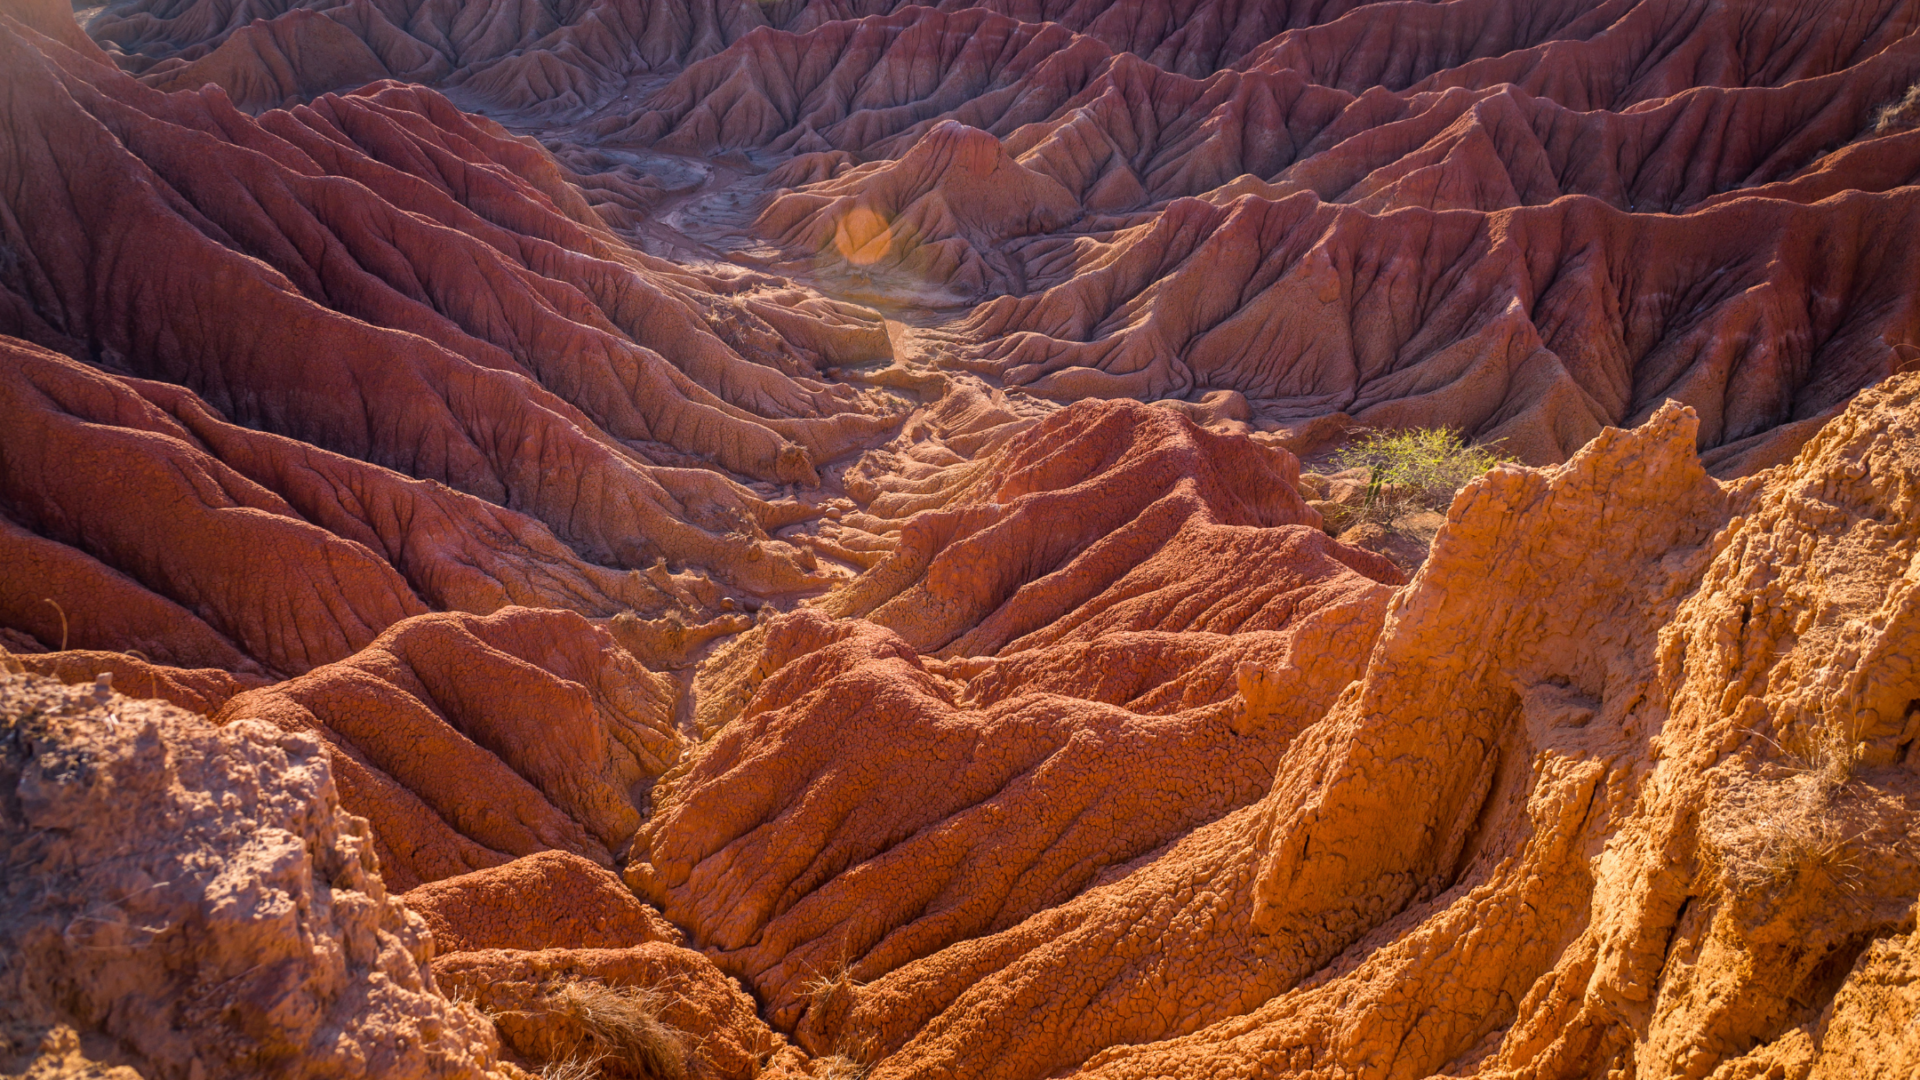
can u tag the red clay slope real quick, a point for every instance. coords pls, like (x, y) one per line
(1538, 326)
(1453, 132)
(1627, 783)
(384, 347)
(1524, 222)
(866, 806)
(466, 741)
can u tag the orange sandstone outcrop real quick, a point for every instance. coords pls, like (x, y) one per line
(1627, 783)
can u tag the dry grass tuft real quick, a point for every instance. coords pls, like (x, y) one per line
(622, 1031)
(1800, 837)
(63, 619)
(1834, 759)
(838, 1067)
(1898, 116)
(573, 1068)
(1799, 844)
(830, 996)
(826, 993)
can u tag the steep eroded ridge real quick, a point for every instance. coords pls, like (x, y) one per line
(400, 340)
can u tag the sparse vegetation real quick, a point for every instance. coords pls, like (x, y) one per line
(838, 1067)
(1898, 116)
(623, 1034)
(1802, 834)
(825, 992)
(573, 1068)
(832, 995)
(63, 619)
(1411, 471)
(1835, 757)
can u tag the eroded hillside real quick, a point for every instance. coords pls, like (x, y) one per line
(657, 539)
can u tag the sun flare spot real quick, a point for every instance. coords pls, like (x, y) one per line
(862, 236)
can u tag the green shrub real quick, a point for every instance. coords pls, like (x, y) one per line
(1417, 469)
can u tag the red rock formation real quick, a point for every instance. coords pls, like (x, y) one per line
(129, 503)
(97, 478)
(278, 62)
(939, 213)
(1110, 535)
(467, 741)
(1071, 109)
(1297, 303)
(1060, 740)
(549, 900)
(507, 55)
(1068, 519)
(1567, 781)
(1384, 108)
(1192, 37)
(1379, 106)
(350, 317)
(482, 250)
(858, 85)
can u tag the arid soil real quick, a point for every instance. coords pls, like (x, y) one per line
(680, 539)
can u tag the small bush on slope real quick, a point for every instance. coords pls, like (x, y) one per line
(1414, 470)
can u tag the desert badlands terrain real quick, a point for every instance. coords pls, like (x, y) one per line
(704, 539)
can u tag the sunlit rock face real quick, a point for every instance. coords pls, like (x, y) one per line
(658, 539)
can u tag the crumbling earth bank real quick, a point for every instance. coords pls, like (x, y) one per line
(190, 901)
